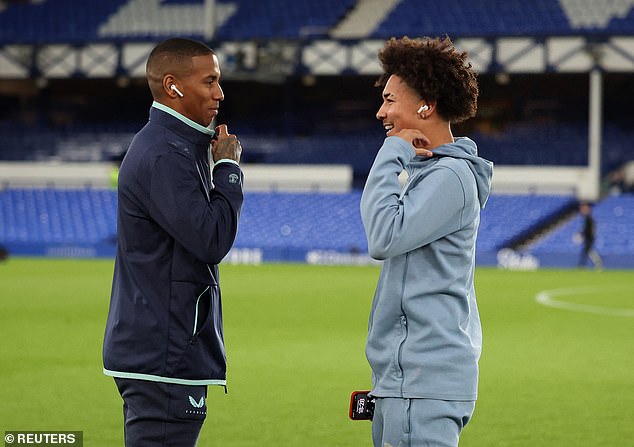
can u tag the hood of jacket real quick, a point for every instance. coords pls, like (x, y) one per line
(466, 149)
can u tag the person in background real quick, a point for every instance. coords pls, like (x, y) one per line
(177, 218)
(424, 334)
(588, 236)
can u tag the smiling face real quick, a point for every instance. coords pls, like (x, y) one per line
(400, 103)
(201, 90)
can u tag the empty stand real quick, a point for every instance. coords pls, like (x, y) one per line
(286, 224)
(49, 216)
(71, 21)
(59, 21)
(507, 18)
(302, 221)
(60, 222)
(508, 217)
(283, 19)
(520, 144)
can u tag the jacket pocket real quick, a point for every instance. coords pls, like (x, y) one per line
(198, 350)
(189, 320)
(201, 311)
(189, 309)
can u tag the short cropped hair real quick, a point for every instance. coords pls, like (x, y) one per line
(172, 56)
(436, 71)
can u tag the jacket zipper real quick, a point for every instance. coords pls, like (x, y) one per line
(399, 347)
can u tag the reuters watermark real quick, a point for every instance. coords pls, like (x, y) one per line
(43, 438)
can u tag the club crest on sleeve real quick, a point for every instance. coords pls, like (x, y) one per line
(234, 178)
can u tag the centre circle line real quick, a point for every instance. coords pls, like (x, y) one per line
(545, 298)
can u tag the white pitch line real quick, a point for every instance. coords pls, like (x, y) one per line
(545, 298)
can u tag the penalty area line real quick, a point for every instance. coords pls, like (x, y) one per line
(546, 298)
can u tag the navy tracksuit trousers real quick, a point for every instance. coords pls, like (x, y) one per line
(162, 414)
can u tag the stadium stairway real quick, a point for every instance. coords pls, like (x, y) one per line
(614, 217)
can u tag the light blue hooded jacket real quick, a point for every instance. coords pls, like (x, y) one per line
(424, 334)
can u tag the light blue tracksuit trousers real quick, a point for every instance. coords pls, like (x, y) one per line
(419, 422)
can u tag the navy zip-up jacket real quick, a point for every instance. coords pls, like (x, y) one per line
(174, 225)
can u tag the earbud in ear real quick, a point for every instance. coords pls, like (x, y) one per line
(178, 92)
(422, 109)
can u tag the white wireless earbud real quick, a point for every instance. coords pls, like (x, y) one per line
(423, 109)
(178, 92)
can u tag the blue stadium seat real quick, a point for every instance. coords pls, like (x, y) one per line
(537, 144)
(302, 220)
(48, 216)
(283, 19)
(506, 217)
(65, 21)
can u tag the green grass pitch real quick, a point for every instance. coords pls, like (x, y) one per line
(295, 337)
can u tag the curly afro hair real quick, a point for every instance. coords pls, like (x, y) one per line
(436, 71)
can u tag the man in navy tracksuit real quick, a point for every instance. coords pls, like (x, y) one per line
(177, 218)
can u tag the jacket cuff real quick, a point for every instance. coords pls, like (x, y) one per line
(226, 160)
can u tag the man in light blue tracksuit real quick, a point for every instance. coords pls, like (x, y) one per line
(424, 337)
